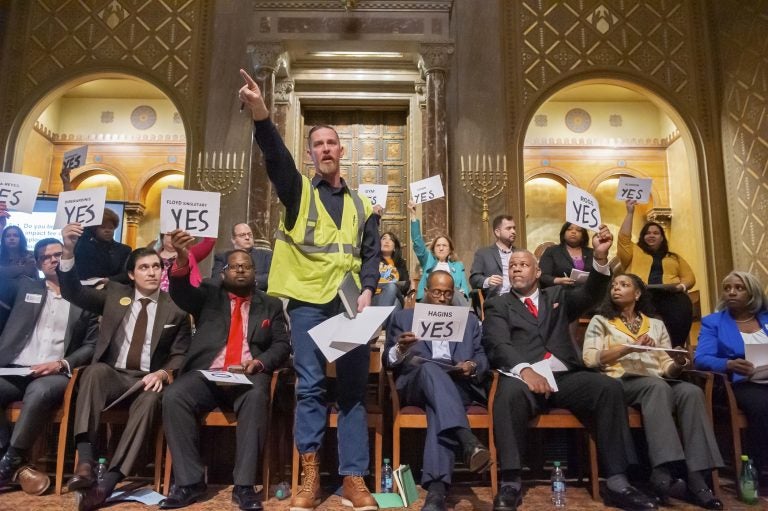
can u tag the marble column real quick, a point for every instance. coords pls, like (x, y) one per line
(434, 65)
(265, 58)
(283, 100)
(134, 212)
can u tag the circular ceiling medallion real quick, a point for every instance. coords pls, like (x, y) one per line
(143, 117)
(578, 120)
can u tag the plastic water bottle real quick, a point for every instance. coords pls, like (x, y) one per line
(558, 487)
(748, 481)
(386, 477)
(283, 490)
(101, 469)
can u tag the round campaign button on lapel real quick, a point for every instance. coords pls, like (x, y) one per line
(125, 301)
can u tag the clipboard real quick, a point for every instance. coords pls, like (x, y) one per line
(136, 386)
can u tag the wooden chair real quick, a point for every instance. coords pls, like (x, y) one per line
(736, 419)
(375, 416)
(219, 418)
(413, 417)
(62, 417)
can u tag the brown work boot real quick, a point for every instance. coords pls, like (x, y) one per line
(355, 494)
(308, 496)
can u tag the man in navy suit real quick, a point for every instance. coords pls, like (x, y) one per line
(441, 392)
(489, 271)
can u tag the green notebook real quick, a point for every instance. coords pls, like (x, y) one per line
(388, 500)
(406, 485)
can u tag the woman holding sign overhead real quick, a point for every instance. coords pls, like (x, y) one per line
(622, 341)
(667, 274)
(439, 256)
(557, 262)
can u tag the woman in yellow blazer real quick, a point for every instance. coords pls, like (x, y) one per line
(667, 274)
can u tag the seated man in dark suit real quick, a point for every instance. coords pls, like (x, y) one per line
(489, 267)
(236, 325)
(443, 395)
(242, 239)
(142, 338)
(529, 325)
(50, 336)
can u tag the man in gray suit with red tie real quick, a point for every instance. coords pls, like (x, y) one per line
(442, 394)
(143, 338)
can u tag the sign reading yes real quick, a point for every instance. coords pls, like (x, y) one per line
(377, 193)
(439, 322)
(427, 190)
(633, 188)
(582, 209)
(191, 211)
(19, 192)
(74, 158)
(85, 207)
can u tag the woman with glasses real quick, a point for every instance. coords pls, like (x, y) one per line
(439, 256)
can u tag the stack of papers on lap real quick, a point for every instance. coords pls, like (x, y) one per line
(657, 348)
(758, 355)
(15, 371)
(543, 368)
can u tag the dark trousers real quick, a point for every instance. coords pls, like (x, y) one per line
(676, 310)
(192, 395)
(41, 397)
(99, 385)
(595, 399)
(753, 401)
(444, 400)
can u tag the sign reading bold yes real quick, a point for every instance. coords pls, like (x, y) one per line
(74, 158)
(85, 207)
(191, 211)
(633, 188)
(377, 194)
(581, 208)
(439, 322)
(19, 192)
(427, 190)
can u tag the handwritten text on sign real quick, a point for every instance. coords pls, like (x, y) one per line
(191, 211)
(427, 190)
(74, 158)
(377, 194)
(581, 208)
(85, 207)
(439, 322)
(19, 192)
(633, 188)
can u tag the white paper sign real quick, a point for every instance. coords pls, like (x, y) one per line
(633, 188)
(226, 377)
(19, 192)
(543, 368)
(85, 207)
(582, 209)
(439, 322)
(339, 335)
(427, 190)
(192, 211)
(580, 277)
(377, 194)
(15, 371)
(74, 158)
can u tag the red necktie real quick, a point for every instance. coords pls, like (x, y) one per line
(234, 354)
(531, 307)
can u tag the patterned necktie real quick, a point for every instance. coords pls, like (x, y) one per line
(133, 361)
(234, 354)
(531, 307)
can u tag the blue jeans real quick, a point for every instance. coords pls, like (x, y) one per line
(311, 405)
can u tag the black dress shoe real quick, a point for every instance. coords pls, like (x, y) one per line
(247, 498)
(434, 502)
(629, 498)
(84, 477)
(477, 458)
(508, 499)
(706, 499)
(8, 468)
(94, 497)
(182, 496)
(672, 488)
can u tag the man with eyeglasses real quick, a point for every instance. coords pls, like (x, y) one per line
(50, 336)
(443, 389)
(143, 337)
(242, 239)
(239, 329)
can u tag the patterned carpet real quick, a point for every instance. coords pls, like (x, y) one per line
(464, 498)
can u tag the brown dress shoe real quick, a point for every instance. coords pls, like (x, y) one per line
(83, 479)
(33, 481)
(94, 497)
(355, 494)
(308, 496)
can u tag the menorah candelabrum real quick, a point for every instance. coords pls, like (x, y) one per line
(484, 181)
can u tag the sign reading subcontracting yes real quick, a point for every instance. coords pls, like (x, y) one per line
(19, 192)
(192, 211)
(85, 207)
(427, 190)
(439, 322)
(582, 209)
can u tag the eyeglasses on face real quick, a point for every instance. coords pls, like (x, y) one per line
(244, 235)
(439, 293)
(238, 267)
(50, 257)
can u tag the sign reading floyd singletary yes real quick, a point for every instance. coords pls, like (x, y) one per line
(19, 192)
(581, 208)
(189, 210)
(439, 322)
(427, 190)
(85, 207)
(634, 188)
(377, 193)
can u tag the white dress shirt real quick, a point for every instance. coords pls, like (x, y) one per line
(127, 330)
(46, 344)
